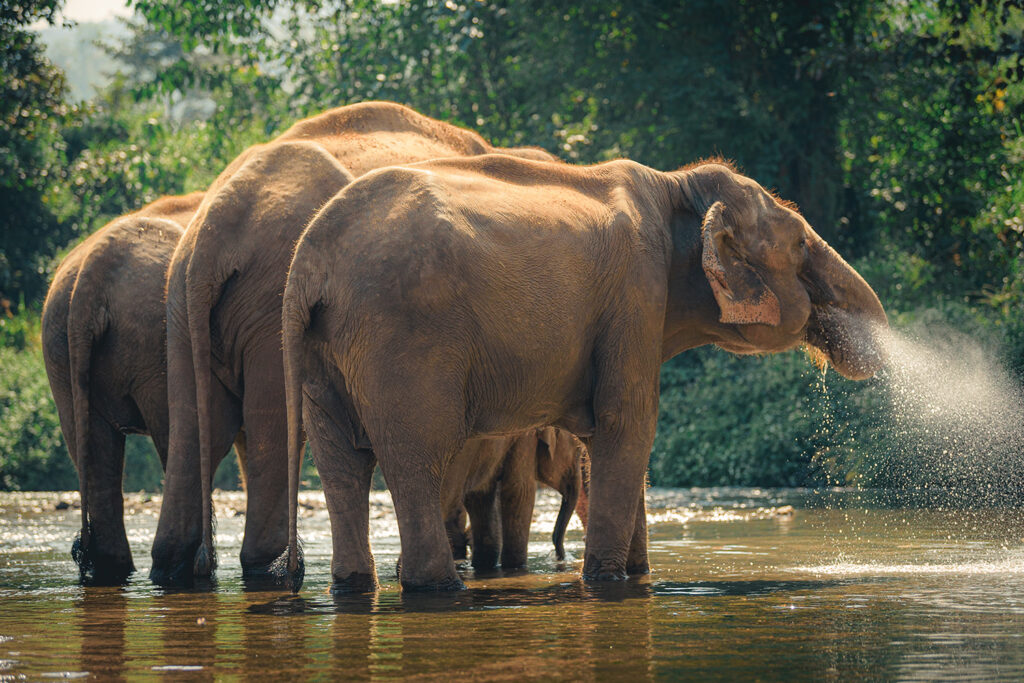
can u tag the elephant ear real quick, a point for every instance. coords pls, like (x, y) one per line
(742, 295)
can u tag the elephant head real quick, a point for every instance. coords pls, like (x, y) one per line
(775, 281)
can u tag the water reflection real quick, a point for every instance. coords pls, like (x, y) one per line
(102, 618)
(742, 587)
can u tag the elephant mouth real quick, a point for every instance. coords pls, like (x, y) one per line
(852, 344)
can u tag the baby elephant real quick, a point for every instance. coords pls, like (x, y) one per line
(103, 345)
(498, 494)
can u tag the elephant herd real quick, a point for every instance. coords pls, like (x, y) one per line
(397, 291)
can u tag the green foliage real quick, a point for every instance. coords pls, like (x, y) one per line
(32, 109)
(933, 159)
(761, 406)
(142, 471)
(32, 453)
(19, 330)
(894, 125)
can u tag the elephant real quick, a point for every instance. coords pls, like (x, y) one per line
(103, 347)
(224, 320)
(494, 482)
(419, 287)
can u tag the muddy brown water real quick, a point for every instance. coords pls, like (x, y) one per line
(742, 587)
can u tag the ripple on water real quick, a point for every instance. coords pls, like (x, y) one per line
(1003, 567)
(745, 583)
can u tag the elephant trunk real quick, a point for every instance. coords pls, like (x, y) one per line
(847, 323)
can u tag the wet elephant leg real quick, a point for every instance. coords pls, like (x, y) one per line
(243, 462)
(346, 474)
(151, 401)
(619, 452)
(108, 558)
(485, 525)
(179, 529)
(415, 434)
(636, 561)
(455, 526)
(518, 492)
(266, 455)
(414, 467)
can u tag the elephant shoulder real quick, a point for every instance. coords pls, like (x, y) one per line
(178, 208)
(400, 225)
(293, 162)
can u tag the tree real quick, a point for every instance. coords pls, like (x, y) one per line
(32, 109)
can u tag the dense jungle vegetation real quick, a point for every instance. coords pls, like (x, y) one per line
(894, 124)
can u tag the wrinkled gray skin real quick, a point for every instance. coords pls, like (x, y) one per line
(485, 296)
(103, 345)
(224, 290)
(499, 482)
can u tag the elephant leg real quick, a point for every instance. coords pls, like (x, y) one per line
(619, 451)
(346, 474)
(485, 527)
(243, 461)
(151, 401)
(414, 469)
(427, 562)
(266, 455)
(108, 558)
(455, 527)
(518, 492)
(636, 562)
(179, 529)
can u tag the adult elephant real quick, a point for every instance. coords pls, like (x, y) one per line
(468, 298)
(224, 290)
(103, 346)
(493, 482)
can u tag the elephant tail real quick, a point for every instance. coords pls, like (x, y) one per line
(295, 319)
(199, 297)
(85, 322)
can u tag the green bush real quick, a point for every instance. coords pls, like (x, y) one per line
(33, 455)
(32, 452)
(757, 421)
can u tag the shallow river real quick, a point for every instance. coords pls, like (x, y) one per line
(742, 586)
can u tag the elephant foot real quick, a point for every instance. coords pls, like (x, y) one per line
(261, 577)
(174, 567)
(451, 582)
(96, 568)
(446, 585)
(485, 559)
(180, 576)
(639, 569)
(356, 582)
(513, 563)
(603, 570)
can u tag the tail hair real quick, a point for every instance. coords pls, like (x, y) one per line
(289, 569)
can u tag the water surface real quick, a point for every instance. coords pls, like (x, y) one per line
(746, 583)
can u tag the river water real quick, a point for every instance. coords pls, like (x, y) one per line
(745, 584)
